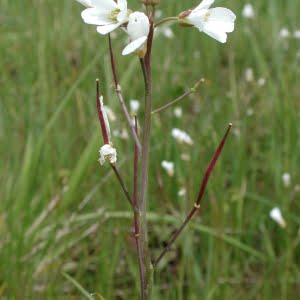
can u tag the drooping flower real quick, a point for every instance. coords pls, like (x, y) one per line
(107, 153)
(275, 215)
(138, 29)
(216, 22)
(168, 166)
(106, 14)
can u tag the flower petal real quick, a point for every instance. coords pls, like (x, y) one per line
(215, 33)
(94, 16)
(134, 45)
(107, 28)
(122, 5)
(105, 5)
(205, 4)
(221, 17)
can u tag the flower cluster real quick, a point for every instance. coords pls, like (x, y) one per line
(109, 15)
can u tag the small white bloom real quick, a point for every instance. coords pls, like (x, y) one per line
(261, 81)
(248, 11)
(275, 214)
(181, 136)
(286, 179)
(185, 157)
(250, 112)
(86, 3)
(249, 76)
(134, 105)
(296, 34)
(216, 22)
(284, 33)
(138, 29)
(107, 153)
(178, 112)
(182, 192)
(106, 14)
(123, 134)
(168, 166)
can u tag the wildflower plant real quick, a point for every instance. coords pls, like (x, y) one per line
(110, 15)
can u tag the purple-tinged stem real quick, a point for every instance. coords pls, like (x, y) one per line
(196, 206)
(100, 114)
(136, 217)
(120, 96)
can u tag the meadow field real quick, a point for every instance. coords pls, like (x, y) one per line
(64, 220)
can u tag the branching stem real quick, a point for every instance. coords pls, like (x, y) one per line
(196, 206)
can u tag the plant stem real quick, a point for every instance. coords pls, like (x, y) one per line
(190, 91)
(123, 185)
(120, 96)
(165, 20)
(146, 68)
(136, 218)
(196, 206)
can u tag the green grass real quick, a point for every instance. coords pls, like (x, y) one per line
(49, 141)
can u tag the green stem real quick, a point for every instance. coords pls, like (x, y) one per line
(166, 20)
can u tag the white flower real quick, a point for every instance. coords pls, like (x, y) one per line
(107, 153)
(138, 29)
(134, 105)
(296, 34)
(178, 112)
(261, 81)
(182, 192)
(86, 3)
(168, 166)
(215, 22)
(284, 33)
(181, 136)
(275, 214)
(107, 14)
(248, 11)
(249, 76)
(286, 179)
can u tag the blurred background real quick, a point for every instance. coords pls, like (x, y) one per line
(61, 212)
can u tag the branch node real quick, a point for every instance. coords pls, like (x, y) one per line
(197, 206)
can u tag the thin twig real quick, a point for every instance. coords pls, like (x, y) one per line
(190, 91)
(123, 185)
(120, 96)
(169, 19)
(136, 217)
(196, 206)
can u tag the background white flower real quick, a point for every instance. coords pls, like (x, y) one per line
(107, 153)
(275, 215)
(286, 179)
(168, 166)
(107, 14)
(134, 105)
(215, 22)
(248, 11)
(138, 29)
(181, 136)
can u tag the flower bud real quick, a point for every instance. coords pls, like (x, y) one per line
(182, 18)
